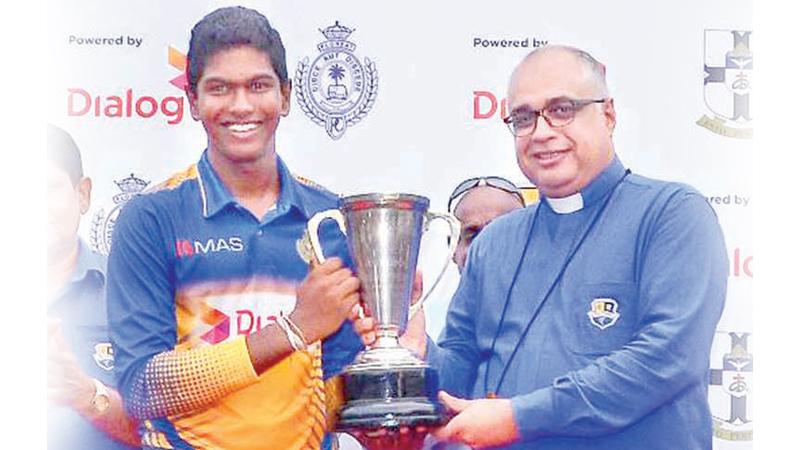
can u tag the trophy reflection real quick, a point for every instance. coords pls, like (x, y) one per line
(387, 387)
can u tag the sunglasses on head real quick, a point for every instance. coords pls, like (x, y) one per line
(471, 183)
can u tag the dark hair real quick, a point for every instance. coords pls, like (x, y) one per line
(64, 153)
(231, 27)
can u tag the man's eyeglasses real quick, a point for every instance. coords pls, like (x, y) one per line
(471, 183)
(558, 113)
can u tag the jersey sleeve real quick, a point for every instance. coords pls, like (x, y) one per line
(153, 378)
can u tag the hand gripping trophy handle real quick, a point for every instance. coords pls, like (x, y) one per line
(387, 387)
(335, 214)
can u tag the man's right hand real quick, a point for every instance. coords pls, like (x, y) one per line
(325, 299)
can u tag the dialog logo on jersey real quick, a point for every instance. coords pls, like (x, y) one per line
(240, 314)
(603, 312)
(185, 247)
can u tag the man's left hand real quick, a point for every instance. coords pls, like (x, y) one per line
(67, 384)
(479, 423)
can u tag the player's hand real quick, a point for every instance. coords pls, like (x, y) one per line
(325, 299)
(479, 423)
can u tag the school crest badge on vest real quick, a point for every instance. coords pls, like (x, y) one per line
(104, 355)
(603, 312)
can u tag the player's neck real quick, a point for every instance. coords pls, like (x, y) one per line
(255, 184)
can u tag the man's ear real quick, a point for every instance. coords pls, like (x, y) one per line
(191, 95)
(610, 115)
(286, 97)
(84, 194)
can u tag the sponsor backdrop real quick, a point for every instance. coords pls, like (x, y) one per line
(408, 96)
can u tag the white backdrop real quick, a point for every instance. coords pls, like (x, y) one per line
(425, 131)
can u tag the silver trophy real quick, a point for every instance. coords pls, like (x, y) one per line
(387, 386)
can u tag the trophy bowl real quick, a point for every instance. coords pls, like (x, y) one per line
(387, 387)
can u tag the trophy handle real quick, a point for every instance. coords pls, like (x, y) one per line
(313, 229)
(455, 232)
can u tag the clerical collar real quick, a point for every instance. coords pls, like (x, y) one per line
(592, 193)
(567, 205)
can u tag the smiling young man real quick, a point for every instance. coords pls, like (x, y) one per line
(585, 321)
(216, 318)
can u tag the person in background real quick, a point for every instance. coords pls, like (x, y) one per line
(85, 410)
(477, 201)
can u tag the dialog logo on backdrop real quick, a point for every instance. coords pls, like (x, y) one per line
(741, 261)
(731, 386)
(177, 60)
(103, 223)
(336, 90)
(131, 103)
(727, 83)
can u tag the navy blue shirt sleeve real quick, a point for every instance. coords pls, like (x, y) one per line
(140, 292)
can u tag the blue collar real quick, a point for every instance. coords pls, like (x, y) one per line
(592, 193)
(88, 262)
(216, 196)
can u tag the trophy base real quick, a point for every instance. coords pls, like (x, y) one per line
(390, 397)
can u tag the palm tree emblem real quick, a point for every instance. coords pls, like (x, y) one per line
(336, 90)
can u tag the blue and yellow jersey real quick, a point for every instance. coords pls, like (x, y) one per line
(191, 273)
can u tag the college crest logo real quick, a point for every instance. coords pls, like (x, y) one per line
(304, 248)
(103, 223)
(730, 386)
(727, 83)
(603, 312)
(104, 355)
(336, 90)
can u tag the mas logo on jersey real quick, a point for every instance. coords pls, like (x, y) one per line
(603, 312)
(731, 386)
(185, 247)
(103, 223)
(727, 83)
(336, 90)
(104, 356)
